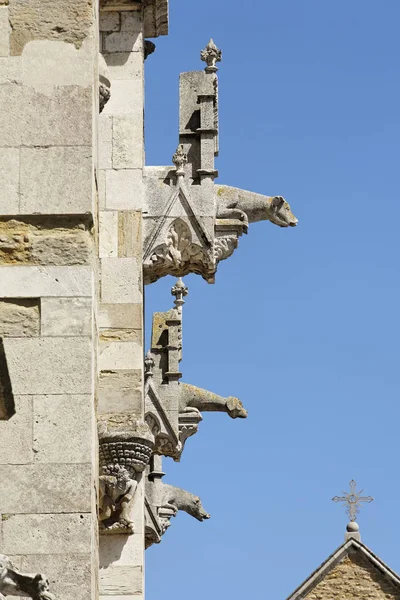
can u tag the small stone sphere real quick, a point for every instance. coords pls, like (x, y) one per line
(352, 526)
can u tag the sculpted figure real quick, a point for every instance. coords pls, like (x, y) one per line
(234, 203)
(178, 499)
(116, 493)
(192, 397)
(13, 583)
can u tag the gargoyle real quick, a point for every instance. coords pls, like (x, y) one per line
(179, 499)
(249, 207)
(192, 397)
(116, 490)
(173, 409)
(14, 583)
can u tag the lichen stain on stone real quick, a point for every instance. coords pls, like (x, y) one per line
(32, 242)
(67, 20)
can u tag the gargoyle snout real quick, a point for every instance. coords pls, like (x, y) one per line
(293, 223)
(235, 408)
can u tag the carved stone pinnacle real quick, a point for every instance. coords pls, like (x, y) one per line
(148, 365)
(179, 159)
(211, 55)
(179, 291)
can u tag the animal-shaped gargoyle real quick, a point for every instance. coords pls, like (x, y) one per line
(190, 224)
(163, 501)
(173, 409)
(14, 583)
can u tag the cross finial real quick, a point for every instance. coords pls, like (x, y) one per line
(211, 55)
(352, 500)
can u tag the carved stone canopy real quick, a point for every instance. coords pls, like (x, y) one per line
(191, 224)
(173, 409)
(155, 13)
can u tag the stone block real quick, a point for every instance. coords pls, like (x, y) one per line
(128, 141)
(70, 575)
(34, 281)
(121, 580)
(35, 119)
(67, 317)
(47, 534)
(105, 154)
(56, 180)
(123, 41)
(44, 241)
(111, 551)
(4, 32)
(105, 128)
(19, 318)
(124, 189)
(131, 22)
(9, 177)
(125, 65)
(101, 189)
(61, 488)
(126, 97)
(108, 234)
(70, 22)
(16, 434)
(110, 21)
(120, 316)
(121, 280)
(120, 391)
(130, 234)
(49, 365)
(10, 70)
(120, 355)
(66, 418)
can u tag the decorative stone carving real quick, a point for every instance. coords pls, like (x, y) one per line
(125, 447)
(173, 409)
(14, 583)
(190, 224)
(211, 55)
(149, 48)
(164, 501)
(104, 83)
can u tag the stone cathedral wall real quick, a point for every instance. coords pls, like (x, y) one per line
(48, 266)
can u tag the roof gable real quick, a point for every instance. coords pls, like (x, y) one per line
(351, 571)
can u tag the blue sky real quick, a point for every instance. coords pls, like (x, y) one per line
(302, 324)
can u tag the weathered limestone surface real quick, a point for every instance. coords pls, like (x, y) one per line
(16, 434)
(19, 318)
(357, 579)
(36, 281)
(65, 21)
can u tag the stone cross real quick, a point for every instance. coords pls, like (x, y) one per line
(352, 500)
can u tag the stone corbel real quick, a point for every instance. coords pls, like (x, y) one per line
(191, 224)
(14, 583)
(163, 501)
(173, 409)
(125, 447)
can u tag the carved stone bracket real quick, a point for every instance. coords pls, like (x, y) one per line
(14, 583)
(191, 224)
(125, 448)
(173, 409)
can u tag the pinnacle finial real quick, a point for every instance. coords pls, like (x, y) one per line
(179, 159)
(211, 55)
(148, 365)
(179, 291)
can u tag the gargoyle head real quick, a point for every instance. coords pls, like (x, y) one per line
(235, 408)
(197, 511)
(281, 213)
